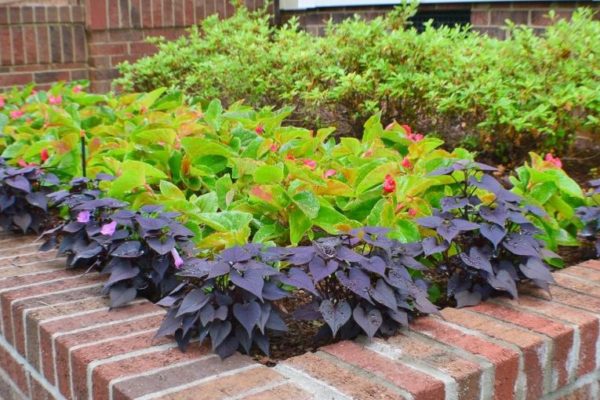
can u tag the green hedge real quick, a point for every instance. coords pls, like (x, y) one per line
(504, 97)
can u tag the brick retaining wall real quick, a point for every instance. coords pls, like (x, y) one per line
(58, 340)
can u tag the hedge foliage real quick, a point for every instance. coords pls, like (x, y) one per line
(505, 97)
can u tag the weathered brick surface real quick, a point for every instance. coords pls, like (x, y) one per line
(60, 341)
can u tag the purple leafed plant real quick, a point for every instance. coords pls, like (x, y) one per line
(590, 216)
(483, 249)
(139, 250)
(229, 299)
(361, 282)
(23, 202)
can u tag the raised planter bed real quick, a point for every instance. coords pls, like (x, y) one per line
(60, 341)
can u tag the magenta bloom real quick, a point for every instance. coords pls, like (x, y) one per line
(77, 89)
(176, 258)
(109, 229)
(16, 114)
(329, 173)
(312, 164)
(55, 100)
(83, 217)
(2, 102)
(553, 160)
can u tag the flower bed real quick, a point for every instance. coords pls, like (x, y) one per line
(223, 214)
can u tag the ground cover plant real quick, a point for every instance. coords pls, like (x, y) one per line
(225, 214)
(502, 97)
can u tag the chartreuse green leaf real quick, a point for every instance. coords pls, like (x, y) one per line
(170, 191)
(226, 220)
(560, 178)
(155, 136)
(376, 176)
(373, 129)
(405, 231)
(207, 203)
(307, 202)
(268, 174)
(543, 192)
(198, 147)
(148, 99)
(299, 225)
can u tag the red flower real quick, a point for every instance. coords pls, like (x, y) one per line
(16, 114)
(329, 173)
(22, 163)
(368, 153)
(290, 157)
(44, 155)
(55, 100)
(77, 89)
(274, 147)
(312, 164)
(553, 160)
(2, 102)
(415, 137)
(412, 212)
(259, 129)
(407, 129)
(389, 184)
(406, 162)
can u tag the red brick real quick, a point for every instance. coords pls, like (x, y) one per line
(125, 20)
(593, 264)
(96, 15)
(26, 259)
(80, 44)
(146, 13)
(81, 357)
(587, 323)
(286, 391)
(230, 386)
(107, 49)
(480, 18)
(27, 15)
(562, 335)
(55, 44)
(51, 76)
(5, 47)
(78, 14)
(466, 373)
(585, 392)
(3, 15)
(341, 378)
(14, 14)
(64, 14)
(588, 274)
(15, 79)
(189, 11)
(420, 385)
(182, 368)
(179, 10)
(531, 344)
(14, 370)
(168, 13)
(505, 360)
(52, 14)
(157, 14)
(67, 43)
(141, 48)
(136, 13)
(113, 322)
(18, 44)
(498, 17)
(40, 14)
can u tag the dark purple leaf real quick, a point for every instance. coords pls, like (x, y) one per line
(442, 171)
(161, 246)
(273, 292)
(247, 314)
(357, 281)
(38, 200)
(493, 233)
(477, 259)
(251, 281)
(399, 278)
(503, 281)
(423, 304)
(483, 167)
(496, 215)
(487, 182)
(368, 321)
(121, 295)
(22, 220)
(301, 255)
(452, 203)
(335, 315)
(299, 279)
(384, 294)
(130, 249)
(430, 222)
(349, 255)
(19, 182)
(121, 272)
(320, 270)
(399, 316)
(520, 245)
(535, 269)
(376, 265)
(506, 195)
(464, 225)
(275, 323)
(467, 298)
(218, 269)
(218, 331)
(448, 231)
(193, 301)
(169, 325)
(207, 315)
(431, 246)
(238, 254)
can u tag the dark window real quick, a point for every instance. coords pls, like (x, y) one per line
(439, 17)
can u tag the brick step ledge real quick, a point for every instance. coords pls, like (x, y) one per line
(59, 341)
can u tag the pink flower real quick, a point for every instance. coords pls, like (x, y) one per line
(407, 129)
(406, 162)
(55, 100)
(44, 155)
(329, 173)
(312, 164)
(290, 157)
(16, 114)
(77, 89)
(83, 217)
(259, 129)
(109, 229)
(2, 102)
(176, 258)
(553, 160)
(415, 137)
(412, 212)
(274, 147)
(389, 184)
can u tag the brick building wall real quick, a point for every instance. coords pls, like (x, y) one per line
(86, 39)
(485, 17)
(46, 41)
